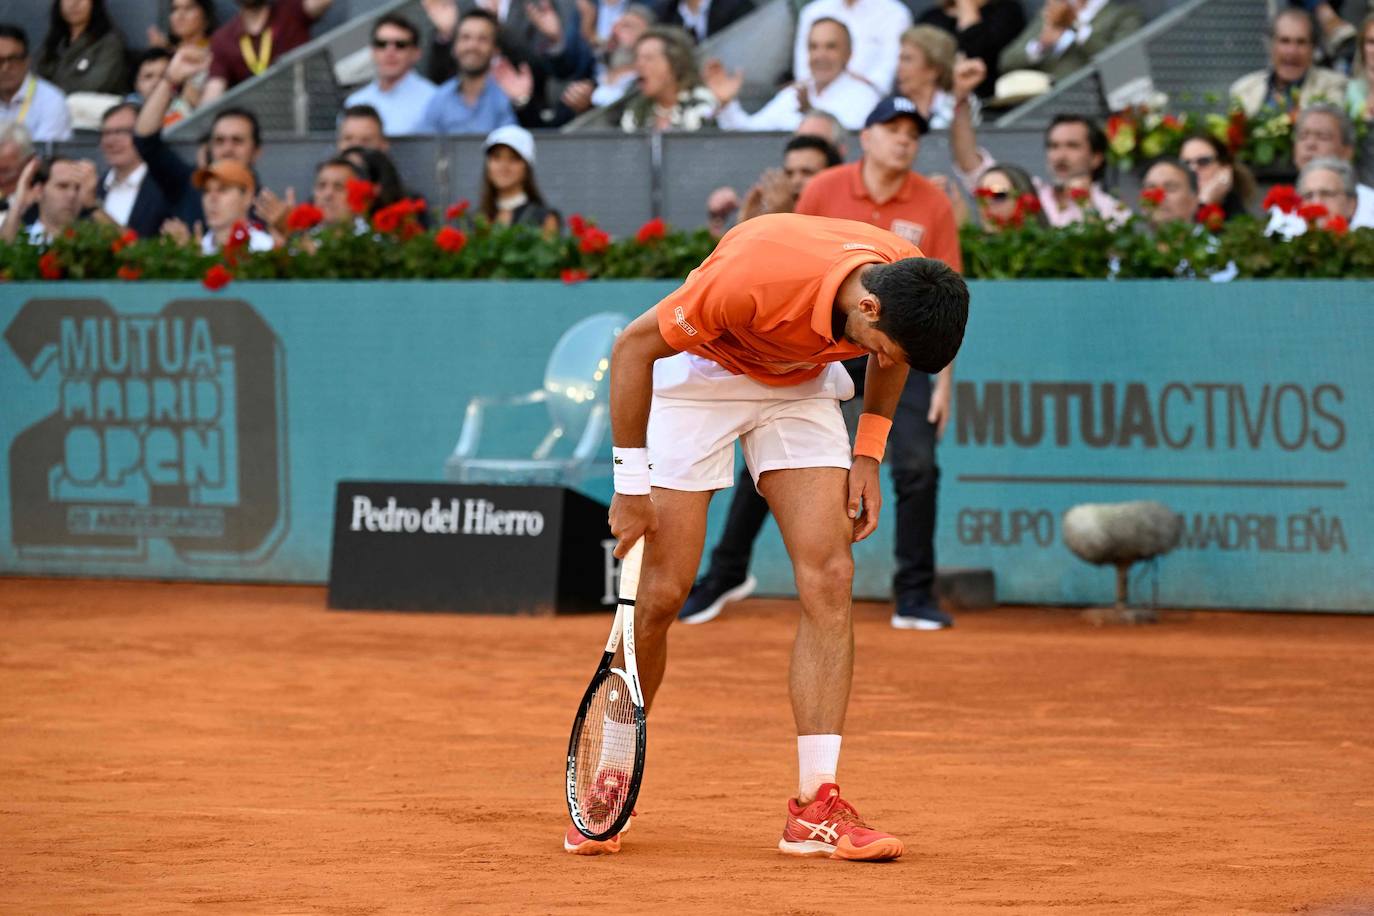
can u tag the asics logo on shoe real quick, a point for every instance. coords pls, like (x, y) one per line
(823, 830)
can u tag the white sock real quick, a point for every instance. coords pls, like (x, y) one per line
(818, 757)
(617, 745)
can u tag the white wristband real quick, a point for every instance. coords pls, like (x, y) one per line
(631, 469)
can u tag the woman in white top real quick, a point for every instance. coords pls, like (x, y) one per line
(925, 74)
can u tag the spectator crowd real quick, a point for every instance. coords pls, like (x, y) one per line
(508, 69)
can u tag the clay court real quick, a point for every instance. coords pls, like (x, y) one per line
(172, 749)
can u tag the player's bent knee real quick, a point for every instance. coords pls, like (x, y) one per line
(828, 579)
(659, 601)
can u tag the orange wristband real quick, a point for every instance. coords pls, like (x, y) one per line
(871, 438)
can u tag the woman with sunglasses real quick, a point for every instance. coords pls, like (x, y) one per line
(1006, 199)
(1220, 179)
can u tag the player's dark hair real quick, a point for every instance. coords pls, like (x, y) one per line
(924, 308)
(1097, 138)
(819, 144)
(15, 33)
(247, 115)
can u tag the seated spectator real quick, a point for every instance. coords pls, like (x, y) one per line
(1075, 157)
(510, 195)
(128, 197)
(831, 87)
(330, 192)
(875, 27)
(825, 125)
(361, 125)
(61, 188)
(669, 95)
(1338, 37)
(1327, 181)
(1067, 34)
(777, 190)
(149, 67)
(1359, 101)
(16, 149)
(1177, 189)
(398, 94)
(1001, 194)
(701, 19)
(256, 38)
(1221, 180)
(982, 28)
(925, 75)
(723, 202)
(234, 134)
(377, 168)
(227, 187)
(191, 23)
(1291, 80)
(615, 69)
(82, 51)
(1323, 130)
(540, 42)
(25, 97)
(473, 102)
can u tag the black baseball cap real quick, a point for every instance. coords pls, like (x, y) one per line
(894, 107)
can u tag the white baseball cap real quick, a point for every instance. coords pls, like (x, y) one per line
(517, 138)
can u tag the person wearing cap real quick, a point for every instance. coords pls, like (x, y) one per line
(831, 87)
(226, 193)
(510, 195)
(880, 190)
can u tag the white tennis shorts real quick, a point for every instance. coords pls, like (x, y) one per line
(700, 409)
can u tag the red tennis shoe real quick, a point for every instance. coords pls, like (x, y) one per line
(576, 843)
(829, 826)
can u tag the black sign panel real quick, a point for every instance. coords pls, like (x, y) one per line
(469, 548)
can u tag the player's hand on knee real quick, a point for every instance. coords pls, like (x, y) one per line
(632, 517)
(865, 497)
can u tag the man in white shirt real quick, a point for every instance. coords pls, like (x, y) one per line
(124, 183)
(36, 103)
(1324, 130)
(875, 27)
(227, 190)
(1067, 34)
(60, 188)
(831, 87)
(399, 94)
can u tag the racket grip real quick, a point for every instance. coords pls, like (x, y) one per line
(629, 571)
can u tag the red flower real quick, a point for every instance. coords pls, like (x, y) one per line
(124, 241)
(577, 225)
(304, 216)
(571, 275)
(593, 240)
(400, 218)
(1028, 203)
(983, 193)
(49, 266)
(217, 277)
(1235, 131)
(1171, 121)
(129, 272)
(1078, 195)
(1337, 225)
(360, 194)
(450, 240)
(458, 210)
(1284, 197)
(651, 231)
(1211, 217)
(1152, 197)
(1313, 212)
(1114, 125)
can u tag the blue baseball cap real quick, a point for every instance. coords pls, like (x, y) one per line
(894, 107)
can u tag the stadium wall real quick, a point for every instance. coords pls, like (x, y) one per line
(155, 430)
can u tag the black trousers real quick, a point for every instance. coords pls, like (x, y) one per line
(915, 477)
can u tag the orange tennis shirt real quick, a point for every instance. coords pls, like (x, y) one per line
(762, 304)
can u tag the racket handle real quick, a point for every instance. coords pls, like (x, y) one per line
(629, 571)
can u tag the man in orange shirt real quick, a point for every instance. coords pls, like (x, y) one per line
(748, 348)
(880, 189)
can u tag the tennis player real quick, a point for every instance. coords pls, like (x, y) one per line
(748, 349)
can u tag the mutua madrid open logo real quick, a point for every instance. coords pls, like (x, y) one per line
(164, 426)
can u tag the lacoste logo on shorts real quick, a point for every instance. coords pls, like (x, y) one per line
(681, 317)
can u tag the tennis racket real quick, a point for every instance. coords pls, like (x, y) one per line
(606, 749)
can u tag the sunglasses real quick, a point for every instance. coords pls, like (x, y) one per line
(999, 196)
(400, 44)
(1201, 162)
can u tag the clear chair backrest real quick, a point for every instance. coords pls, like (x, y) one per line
(577, 374)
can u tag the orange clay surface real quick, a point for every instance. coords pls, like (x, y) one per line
(241, 750)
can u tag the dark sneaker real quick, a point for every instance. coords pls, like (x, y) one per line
(922, 616)
(709, 596)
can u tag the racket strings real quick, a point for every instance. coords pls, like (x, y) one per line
(606, 754)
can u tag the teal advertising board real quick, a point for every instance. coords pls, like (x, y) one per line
(162, 431)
